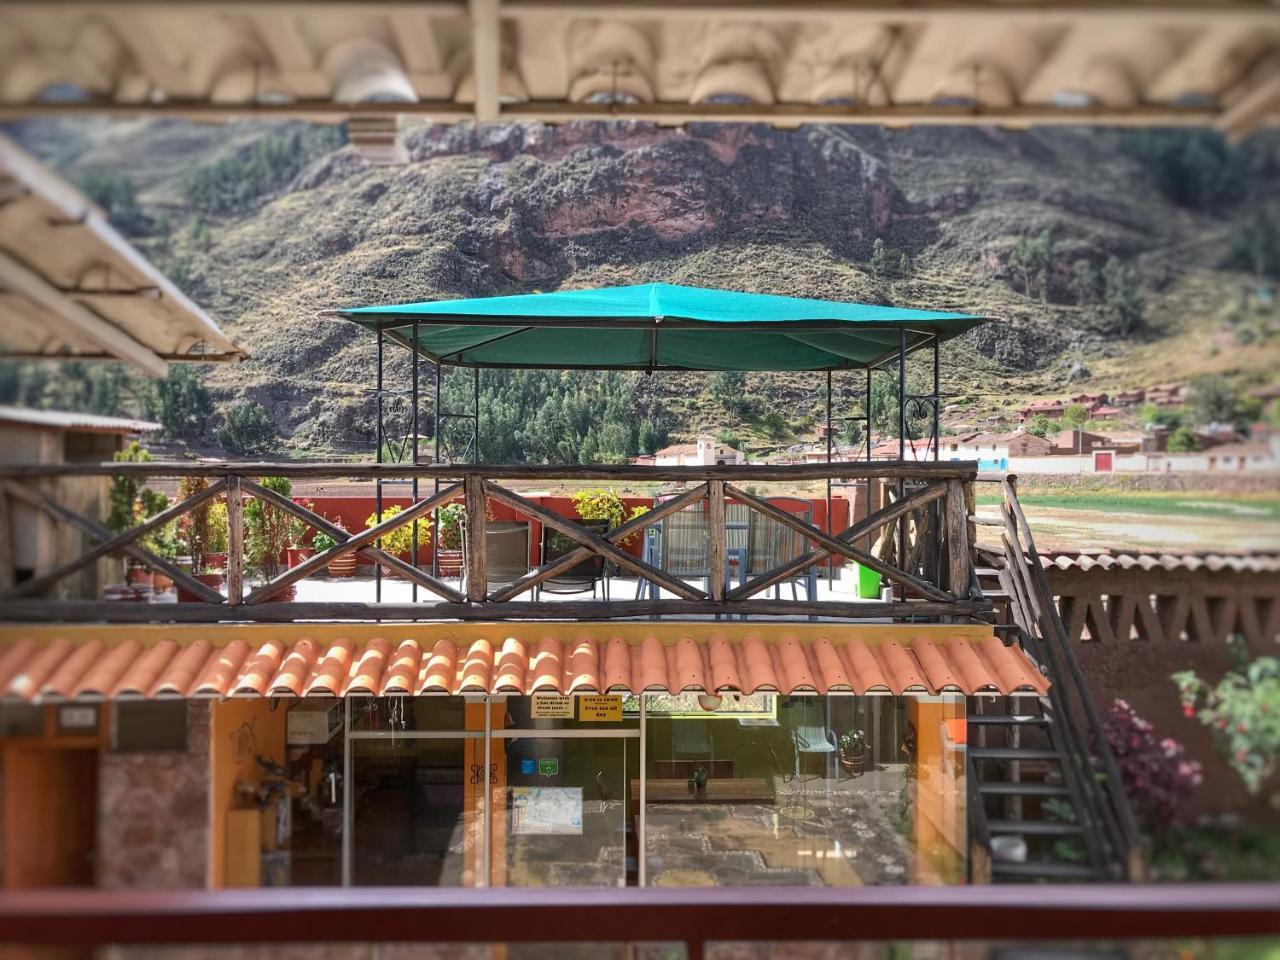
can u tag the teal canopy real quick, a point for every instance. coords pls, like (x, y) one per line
(659, 326)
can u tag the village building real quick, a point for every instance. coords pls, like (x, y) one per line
(1167, 394)
(1053, 409)
(705, 451)
(1130, 398)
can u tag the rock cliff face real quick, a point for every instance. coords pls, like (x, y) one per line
(514, 208)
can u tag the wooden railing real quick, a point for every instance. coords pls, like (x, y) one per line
(696, 916)
(919, 541)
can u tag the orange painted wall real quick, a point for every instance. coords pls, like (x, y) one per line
(239, 731)
(940, 807)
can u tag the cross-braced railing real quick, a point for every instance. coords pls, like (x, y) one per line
(917, 539)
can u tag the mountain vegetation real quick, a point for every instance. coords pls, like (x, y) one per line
(1113, 259)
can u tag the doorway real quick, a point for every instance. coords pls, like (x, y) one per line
(49, 844)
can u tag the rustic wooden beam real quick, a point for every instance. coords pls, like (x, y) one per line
(841, 544)
(477, 523)
(6, 541)
(87, 611)
(371, 553)
(571, 559)
(749, 473)
(54, 509)
(957, 528)
(235, 540)
(116, 543)
(716, 539)
(595, 542)
(357, 541)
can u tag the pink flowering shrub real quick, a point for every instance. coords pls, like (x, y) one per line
(1158, 777)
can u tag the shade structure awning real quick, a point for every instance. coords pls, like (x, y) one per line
(523, 659)
(659, 326)
(71, 287)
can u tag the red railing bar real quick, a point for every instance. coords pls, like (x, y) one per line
(694, 915)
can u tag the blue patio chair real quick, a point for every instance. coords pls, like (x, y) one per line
(811, 738)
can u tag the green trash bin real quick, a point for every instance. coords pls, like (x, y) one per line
(868, 582)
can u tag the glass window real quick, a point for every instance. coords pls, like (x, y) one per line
(825, 792)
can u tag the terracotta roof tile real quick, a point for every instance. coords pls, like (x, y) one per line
(822, 662)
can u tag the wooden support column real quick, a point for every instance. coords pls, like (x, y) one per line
(235, 541)
(716, 538)
(6, 542)
(957, 540)
(476, 522)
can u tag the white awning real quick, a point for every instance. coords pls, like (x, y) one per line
(71, 287)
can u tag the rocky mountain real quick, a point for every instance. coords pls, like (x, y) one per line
(1113, 258)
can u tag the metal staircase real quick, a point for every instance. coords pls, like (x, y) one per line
(1045, 797)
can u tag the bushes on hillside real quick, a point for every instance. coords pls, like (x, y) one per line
(236, 183)
(247, 430)
(185, 405)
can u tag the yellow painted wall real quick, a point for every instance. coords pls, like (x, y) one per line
(240, 730)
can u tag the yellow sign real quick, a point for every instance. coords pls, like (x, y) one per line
(552, 706)
(600, 709)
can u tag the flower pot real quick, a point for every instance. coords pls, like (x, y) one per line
(295, 555)
(343, 566)
(214, 580)
(162, 583)
(449, 562)
(215, 561)
(284, 595)
(853, 762)
(141, 577)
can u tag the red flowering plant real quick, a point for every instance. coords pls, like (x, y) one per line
(1243, 711)
(1158, 777)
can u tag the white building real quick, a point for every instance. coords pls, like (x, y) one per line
(704, 453)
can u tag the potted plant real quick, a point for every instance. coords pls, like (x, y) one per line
(400, 540)
(852, 751)
(215, 557)
(344, 566)
(267, 533)
(300, 537)
(126, 508)
(194, 535)
(449, 551)
(698, 782)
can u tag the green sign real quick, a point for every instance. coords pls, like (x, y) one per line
(549, 767)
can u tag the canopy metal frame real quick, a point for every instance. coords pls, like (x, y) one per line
(910, 340)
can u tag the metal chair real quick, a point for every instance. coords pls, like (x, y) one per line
(579, 578)
(811, 738)
(769, 544)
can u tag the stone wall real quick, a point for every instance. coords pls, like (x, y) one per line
(153, 813)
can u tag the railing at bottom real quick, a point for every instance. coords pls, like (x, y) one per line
(695, 916)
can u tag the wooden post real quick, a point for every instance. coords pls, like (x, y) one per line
(957, 540)
(235, 541)
(6, 542)
(716, 539)
(477, 585)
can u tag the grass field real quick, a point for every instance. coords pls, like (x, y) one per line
(1158, 504)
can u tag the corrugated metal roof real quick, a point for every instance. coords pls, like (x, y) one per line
(69, 420)
(520, 659)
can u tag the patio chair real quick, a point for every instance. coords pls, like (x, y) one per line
(769, 544)
(579, 578)
(811, 738)
(506, 552)
(680, 545)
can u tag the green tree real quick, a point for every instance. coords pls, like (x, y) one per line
(1183, 440)
(247, 429)
(1086, 282)
(729, 439)
(185, 405)
(1042, 426)
(775, 424)
(1212, 399)
(1032, 258)
(1194, 168)
(1122, 297)
(1255, 244)
(1074, 415)
(887, 262)
(236, 183)
(118, 197)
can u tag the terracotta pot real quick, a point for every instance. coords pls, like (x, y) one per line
(449, 562)
(344, 566)
(215, 561)
(284, 595)
(295, 555)
(141, 577)
(214, 580)
(162, 583)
